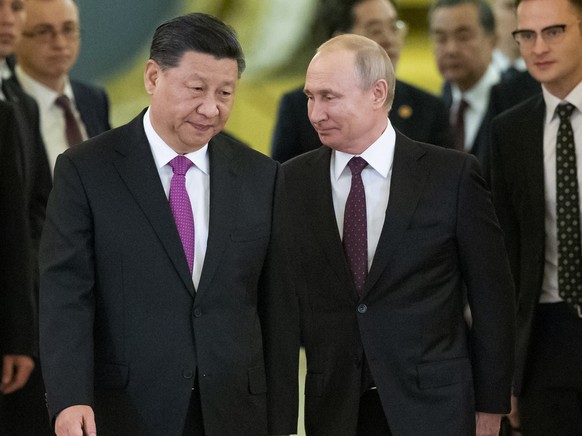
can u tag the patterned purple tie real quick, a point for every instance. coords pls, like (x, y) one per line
(72, 130)
(181, 207)
(355, 226)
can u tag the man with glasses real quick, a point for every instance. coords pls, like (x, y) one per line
(416, 113)
(537, 174)
(463, 34)
(70, 111)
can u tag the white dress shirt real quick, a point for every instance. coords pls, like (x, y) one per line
(197, 186)
(52, 118)
(550, 292)
(4, 74)
(478, 99)
(376, 178)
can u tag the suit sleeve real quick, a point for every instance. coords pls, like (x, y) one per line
(280, 320)
(489, 291)
(67, 301)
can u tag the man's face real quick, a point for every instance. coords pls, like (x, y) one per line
(462, 47)
(558, 65)
(50, 43)
(190, 103)
(377, 20)
(505, 23)
(12, 17)
(344, 115)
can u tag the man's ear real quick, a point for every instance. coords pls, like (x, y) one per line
(380, 92)
(151, 74)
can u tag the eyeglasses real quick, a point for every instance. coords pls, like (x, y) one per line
(47, 34)
(551, 35)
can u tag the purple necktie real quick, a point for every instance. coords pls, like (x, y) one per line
(355, 226)
(72, 130)
(181, 207)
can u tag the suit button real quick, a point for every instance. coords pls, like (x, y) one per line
(197, 312)
(187, 374)
(362, 308)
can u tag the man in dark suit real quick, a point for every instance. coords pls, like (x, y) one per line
(379, 256)
(45, 55)
(537, 174)
(416, 113)
(463, 34)
(17, 336)
(46, 52)
(511, 92)
(153, 313)
(24, 411)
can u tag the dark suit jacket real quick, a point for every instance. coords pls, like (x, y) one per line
(518, 189)
(16, 305)
(93, 106)
(122, 327)
(482, 143)
(440, 230)
(511, 92)
(416, 113)
(34, 169)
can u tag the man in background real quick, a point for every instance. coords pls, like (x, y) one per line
(17, 337)
(415, 113)
(537, 175)
(463, 34)
(70, 111)
(22, 410)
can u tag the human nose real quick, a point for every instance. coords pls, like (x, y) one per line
(315, 111)
(7, 15)
(208, 107)
(539, 45)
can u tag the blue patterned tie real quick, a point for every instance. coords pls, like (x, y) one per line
(355, 238)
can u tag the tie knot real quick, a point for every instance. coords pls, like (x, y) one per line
(564, 111)
(357, 164)
(463, 106)
(63, 102)
(180, 164)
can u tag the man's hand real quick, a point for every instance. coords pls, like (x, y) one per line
(514, 416)
(16, 369)
(76, 421)
(488, 424)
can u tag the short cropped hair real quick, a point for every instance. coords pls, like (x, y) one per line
(197, 32)
(371, 61)
(576, 3)
(485, 13)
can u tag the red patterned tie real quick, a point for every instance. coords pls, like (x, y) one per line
(72, 130)
(181, 207)
(355, 238)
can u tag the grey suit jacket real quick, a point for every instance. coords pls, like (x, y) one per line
(122, 327)
(440, 231)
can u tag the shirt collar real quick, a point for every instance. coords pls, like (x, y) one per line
(379, 155)
(163, 153)
(44, 96)
(478, 95)
(574, 98)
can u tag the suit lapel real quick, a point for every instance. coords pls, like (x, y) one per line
(320, 214)
(224, 188)
(533, 155)
(408, 177)
(137, 168)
